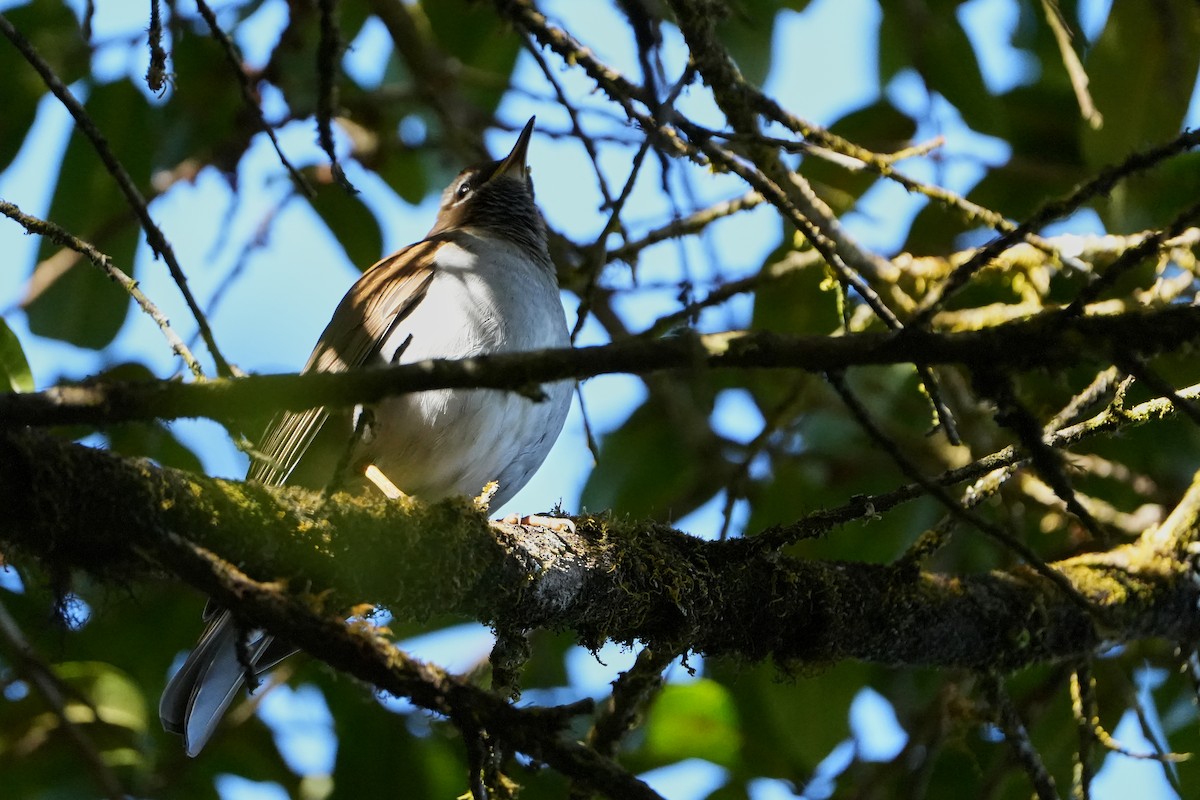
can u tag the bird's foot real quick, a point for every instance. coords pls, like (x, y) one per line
(559, 524)
(382, 482)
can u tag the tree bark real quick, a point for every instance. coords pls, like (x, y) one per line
(77, 508)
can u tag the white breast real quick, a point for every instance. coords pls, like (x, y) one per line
(454, 441)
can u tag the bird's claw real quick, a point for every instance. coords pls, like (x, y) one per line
(558, 524)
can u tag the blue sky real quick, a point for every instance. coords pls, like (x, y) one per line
(265, 329)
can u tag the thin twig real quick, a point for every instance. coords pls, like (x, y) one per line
(154, 235)
(632, 692)
(328, 50)
(1046, 341)
(362, 653)
(1112, 419)
(589, 144)
(1075, 71)
(586, 297)
(1017, 737)
(1098, 186)
(1013, 414)
(104, 262)
(939, 493)
(686, 226)
(248, 92)
(1087, 721)
(1138, 369)
(1152, 242)
(156, 71)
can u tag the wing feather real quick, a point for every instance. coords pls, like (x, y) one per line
(370, 311)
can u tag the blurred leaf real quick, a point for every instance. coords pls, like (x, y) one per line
(791, 724)
(115, 699)
(693, 720)
(54, 32)
(405, 171)
(428, 765)
(293, 64)
(879, 127)
(663, 462)
(1046, 161)
(547, 664)
(730, 791)
(15, 375)
(803, 301)
(102, 702)
(205, 117)
(957, 771)
(153, 440)
(471, 34)
(927, 37)
(829, 459)
(747, 33)
(1143, 92)
(348, 219)
(1145, 201)
(83, 306)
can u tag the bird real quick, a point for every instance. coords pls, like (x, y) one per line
(481, 281)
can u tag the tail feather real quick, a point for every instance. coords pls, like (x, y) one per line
(198, 695)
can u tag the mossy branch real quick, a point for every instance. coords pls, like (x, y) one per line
(72, 507)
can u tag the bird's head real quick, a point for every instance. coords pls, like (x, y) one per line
(496, 197)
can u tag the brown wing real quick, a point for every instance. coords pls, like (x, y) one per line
(376, 303)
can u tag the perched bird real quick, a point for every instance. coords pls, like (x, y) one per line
(480, 282)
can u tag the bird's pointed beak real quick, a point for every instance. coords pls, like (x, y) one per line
(513, 164)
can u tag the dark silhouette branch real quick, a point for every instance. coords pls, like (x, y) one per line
(1053, 339)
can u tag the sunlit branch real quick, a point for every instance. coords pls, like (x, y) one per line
(104, 262)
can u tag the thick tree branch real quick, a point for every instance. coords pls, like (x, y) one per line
(1052, 339)
(77, 508)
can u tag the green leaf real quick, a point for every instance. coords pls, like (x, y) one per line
(928, 38)
(472, 34)
(662, 463)
(368, 736)
(694, 720)
(747, 34)
(101, 702)
(879, 127)
(15, 375)
(1141, 72)
(54, 32)
(112, 695)
(205, 117)
(801, 302)
(791, 725)
(348, 219)
(143, 439)
(82, 306)
(1046, 160)
(407, 171)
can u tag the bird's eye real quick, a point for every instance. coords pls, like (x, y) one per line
(463, 190)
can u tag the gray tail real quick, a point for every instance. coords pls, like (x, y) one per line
(198, 695)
